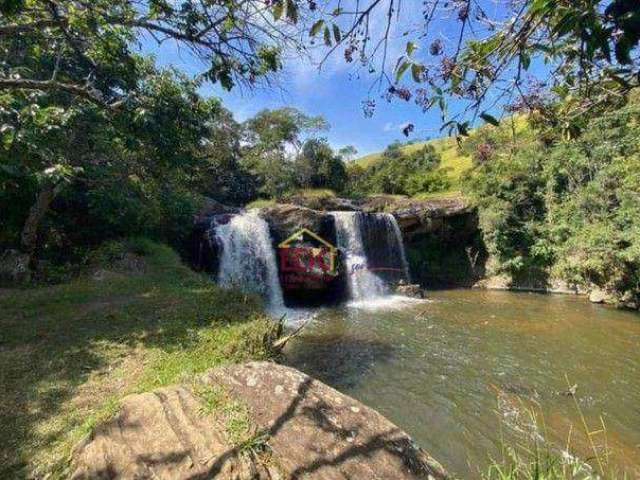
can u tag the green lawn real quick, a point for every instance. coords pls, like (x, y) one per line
(69, 353)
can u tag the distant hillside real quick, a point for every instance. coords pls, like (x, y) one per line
(452, 159)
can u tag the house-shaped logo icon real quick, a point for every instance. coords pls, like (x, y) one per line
(307, 252)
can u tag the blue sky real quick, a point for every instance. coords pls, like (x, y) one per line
(336, 92)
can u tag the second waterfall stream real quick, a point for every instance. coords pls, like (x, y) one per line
(374, 252)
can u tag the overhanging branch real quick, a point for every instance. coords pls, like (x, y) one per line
(50, 85)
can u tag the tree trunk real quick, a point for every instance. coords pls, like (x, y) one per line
(36, 214)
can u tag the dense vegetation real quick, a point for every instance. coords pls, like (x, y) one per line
(557, 200)
(560, 206)
(403, 173)
(142, 173)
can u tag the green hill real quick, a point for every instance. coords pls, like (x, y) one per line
(453, 160)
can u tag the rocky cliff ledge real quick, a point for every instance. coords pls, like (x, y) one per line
(441, 236)
(254, 421)
(414, 216)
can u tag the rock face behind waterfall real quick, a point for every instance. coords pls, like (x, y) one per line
(306, 430)
(285, 220)
(441, 239)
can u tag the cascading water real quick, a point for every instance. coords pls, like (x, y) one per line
(248, 259)
(384, 247)
(363, 283)
(374, 252)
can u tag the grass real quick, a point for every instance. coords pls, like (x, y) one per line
(534, 457)
(438, 195)
(261, 203)
(234, 417)
(315, 192)
(304, 192)
(70, 352)
(312, 193)
(233, 414)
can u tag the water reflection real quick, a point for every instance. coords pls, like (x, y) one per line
(455, 372)
(331, 352)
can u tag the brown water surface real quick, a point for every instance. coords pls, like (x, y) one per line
(457, 371)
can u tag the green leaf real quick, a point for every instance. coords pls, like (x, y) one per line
(315, 28)
(11, 7)
(292, 11)
(7, 133)
(489, 119)
(401, 69)
(416, 72)
(525, 60)
(277, 10)
(327, 37)
(411, 47)
(336, 33)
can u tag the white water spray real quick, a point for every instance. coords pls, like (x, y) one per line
(248, 259)
(363, 283)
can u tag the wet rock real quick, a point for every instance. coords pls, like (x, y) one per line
(598, 295)
(450, 218)
(410, 290)
(210, 208)
(312, 431)
(629, 300)
(286, 219)
(495, 282)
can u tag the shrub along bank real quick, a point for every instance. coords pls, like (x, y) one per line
(563, 205)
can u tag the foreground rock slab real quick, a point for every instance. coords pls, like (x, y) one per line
(160, 435)
(313, 432)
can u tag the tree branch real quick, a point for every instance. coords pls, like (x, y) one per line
(14, 28)
(50, 85)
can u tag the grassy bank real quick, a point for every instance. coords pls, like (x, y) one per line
(70, 352)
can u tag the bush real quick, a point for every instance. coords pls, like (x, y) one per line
(569, 207)
(398, 173)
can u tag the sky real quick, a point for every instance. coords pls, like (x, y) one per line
(336, 92)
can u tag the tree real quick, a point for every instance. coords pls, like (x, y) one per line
(399, 172)
(318, 167)
(76, 97)
(222, 175)
(348, 152)
(271, 138)
(485, 60)
(84, 41)
(125, 171)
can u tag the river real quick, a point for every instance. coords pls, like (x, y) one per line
(459, 371)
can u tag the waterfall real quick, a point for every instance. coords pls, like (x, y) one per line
(248, 259)
(374, 252)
